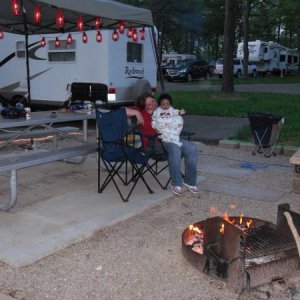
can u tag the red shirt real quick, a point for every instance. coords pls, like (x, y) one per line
(145, 128)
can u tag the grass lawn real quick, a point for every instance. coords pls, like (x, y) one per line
(269, 79)
(210, 103)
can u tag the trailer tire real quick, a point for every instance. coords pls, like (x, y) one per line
(141, 86)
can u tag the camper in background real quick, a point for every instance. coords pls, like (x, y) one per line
(128, 68)
(270, 57)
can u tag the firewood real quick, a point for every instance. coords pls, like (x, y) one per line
(293, 229)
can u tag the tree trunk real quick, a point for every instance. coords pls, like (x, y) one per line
(246, 15)
(229, 41)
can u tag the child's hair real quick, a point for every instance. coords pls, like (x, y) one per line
(163, 97)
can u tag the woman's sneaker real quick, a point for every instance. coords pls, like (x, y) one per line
(193, 189)
(177, 190)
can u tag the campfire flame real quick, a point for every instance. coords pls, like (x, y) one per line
(196, 229)
(242, 223)
(222, 229)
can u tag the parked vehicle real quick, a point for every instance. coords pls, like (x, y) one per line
(189, 70)
(126, 67)
(237, 68)
(169, 60)
(271, 57)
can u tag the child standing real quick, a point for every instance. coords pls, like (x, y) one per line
(168, 121)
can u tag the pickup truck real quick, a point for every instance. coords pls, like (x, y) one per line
(237, 68)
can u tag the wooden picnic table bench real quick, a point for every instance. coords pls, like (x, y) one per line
(14, 162)
(295, 160)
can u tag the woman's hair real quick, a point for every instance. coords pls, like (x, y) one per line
(141, 100)
(163, 97)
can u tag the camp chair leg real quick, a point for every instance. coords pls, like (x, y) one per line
(155, 172)
(139, 174)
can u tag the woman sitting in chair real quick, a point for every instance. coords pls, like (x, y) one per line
(145, 106)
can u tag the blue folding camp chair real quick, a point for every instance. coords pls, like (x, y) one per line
(116, 152)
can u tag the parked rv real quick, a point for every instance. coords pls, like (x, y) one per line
(270, 57)
(237, 68)
(126, 67)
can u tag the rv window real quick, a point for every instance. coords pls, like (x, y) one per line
(290, 59)
(282, 58)
(21, 49)
(295, 59)
(134, 52)
(64, 53)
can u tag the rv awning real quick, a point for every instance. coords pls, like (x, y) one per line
(111, 12)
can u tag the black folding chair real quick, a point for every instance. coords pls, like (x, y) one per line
(116, 150)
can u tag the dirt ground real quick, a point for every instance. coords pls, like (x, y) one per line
(141, 258)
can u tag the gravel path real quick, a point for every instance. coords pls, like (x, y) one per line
(140, 258)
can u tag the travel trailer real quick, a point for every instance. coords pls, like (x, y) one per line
(173, 58)
(126, 67)
(270, 57)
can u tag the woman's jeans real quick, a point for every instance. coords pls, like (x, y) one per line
(189, 151)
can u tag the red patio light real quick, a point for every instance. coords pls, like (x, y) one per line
(134, 35)
(57, 42)
(1, 35)
(115, 35)
(129, 32)
(15, 7)
(69, 39)
(142, 31)
(97, 23)
(43, 42)
(60, 19)
(37, 14)
(99, 37)
(84, 37)
(80, 23)
(122, 27)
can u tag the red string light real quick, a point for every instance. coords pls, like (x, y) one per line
(129, 32)
(134, 35)
(99, 37)
(60, 19)
(37, 14)
(97, 23)
(80, 23)
(69, 39)
(43, 42)
(84, 37)
(1, 35)
(115, 35)
(122, 27)
(15, 7)
(57, 42)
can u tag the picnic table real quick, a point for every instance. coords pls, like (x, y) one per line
(41, 123)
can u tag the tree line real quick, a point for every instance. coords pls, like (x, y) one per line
(197, 26)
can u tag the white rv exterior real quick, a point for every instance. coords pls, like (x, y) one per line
(270, 57)
(126, 67)
(173, 58)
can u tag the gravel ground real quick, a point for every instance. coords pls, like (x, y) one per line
(141, 258)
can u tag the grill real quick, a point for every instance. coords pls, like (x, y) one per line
(244, 255)
(264, 241)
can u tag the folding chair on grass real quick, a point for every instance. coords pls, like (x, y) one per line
(116, 152)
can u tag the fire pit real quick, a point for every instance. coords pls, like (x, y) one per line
(244, 251)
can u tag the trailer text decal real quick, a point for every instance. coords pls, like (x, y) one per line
(134, 73)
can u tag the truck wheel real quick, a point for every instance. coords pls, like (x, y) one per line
(140, 87)
(254, 73)
(239, 74)
(189, 78)
(207, 76)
